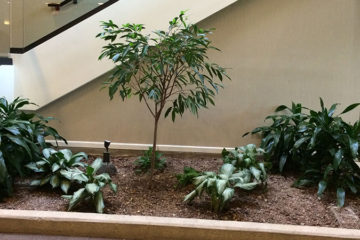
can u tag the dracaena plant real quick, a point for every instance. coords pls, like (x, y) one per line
(92, 185)
(22, 137)
(143, 163)
(220, 186)
(168, 70)
(324, 149)
(283, 132)
(53, 163)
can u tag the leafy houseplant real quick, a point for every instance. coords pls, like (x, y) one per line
(246, 175)
(52, 165)
(168, 70)
(143, 163)
(92, 185)
(22, 137)
(318, 144)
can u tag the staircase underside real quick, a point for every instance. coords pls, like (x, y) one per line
(70, 59)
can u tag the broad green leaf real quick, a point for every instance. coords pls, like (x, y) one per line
(99, 202)
(255, 172)
(55, 181)
(92, 188)
(104, 177)
(262, 167)
(55, 167)
(74, 175)
(227, 169)
(47, 152)
(227, 194)
(199, 179)
(322, 104)
(321, 187)
(281, 108)
(282, 162)
(337, 158)
(96, 164)
(67, 197)
(33, 166)
(3, 169)
(340, 194)
(350, 107)
(67, 154)
(247, 186)
(35, 183)
(76, 198)
(354, 147)
(328, 169)
(19, 141)
(190, 196)
(14, 130)
(65, 185)
(113, 187)
(299, 142)
(44, 181)
(220, 186)
(332, 109)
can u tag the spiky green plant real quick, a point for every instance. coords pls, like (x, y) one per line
(319, 145)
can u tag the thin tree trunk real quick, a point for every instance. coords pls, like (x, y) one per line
(153, 158)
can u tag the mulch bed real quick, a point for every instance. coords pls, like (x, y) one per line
(279, 203)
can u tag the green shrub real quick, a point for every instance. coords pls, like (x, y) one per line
(318, 144)
(22, 139)
(53, 163)
(187, 177)
(92, 185)
(220, 186)
(143, 163)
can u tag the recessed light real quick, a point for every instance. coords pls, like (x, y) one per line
(100, 3)
(6, 22)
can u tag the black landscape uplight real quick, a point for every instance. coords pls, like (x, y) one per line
(106, 154)
(107, 166)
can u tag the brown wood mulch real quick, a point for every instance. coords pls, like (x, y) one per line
(279, 203)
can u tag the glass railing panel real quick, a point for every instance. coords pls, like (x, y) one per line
(4, 27)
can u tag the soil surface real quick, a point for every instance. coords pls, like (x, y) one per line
(278, 203)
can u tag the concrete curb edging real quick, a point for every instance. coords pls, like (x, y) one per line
(151, 228)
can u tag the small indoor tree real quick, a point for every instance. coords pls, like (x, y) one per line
(168, 70)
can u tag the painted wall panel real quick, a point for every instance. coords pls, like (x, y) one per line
(278, 51)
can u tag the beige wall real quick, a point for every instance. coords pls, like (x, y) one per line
(278, 51)
(4, 29)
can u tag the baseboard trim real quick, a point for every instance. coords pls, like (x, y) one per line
(140, 146)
